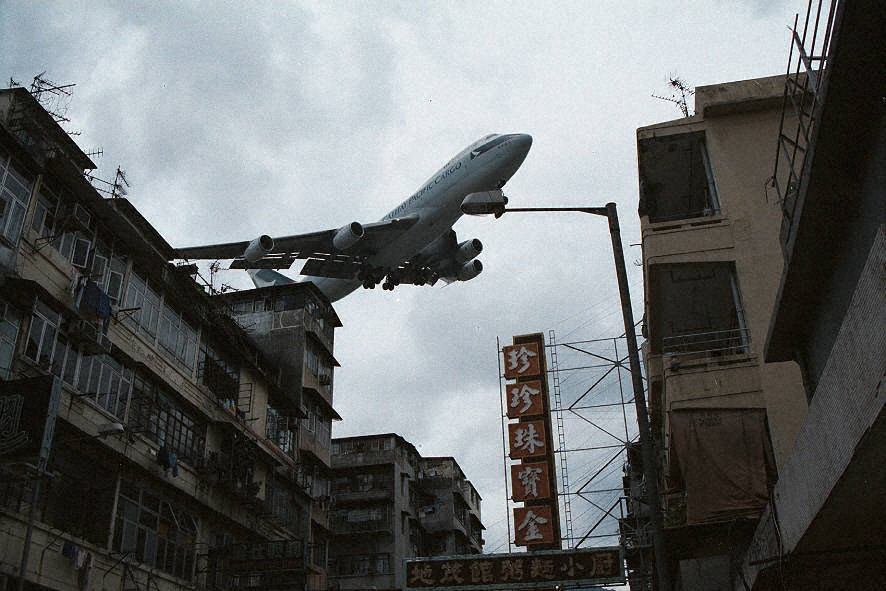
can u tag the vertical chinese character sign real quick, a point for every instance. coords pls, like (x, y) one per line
(530, 441)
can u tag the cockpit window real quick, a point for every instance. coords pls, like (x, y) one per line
(489, 145)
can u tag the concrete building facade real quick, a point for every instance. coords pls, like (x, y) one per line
(168, 447)
(391, 504)
(722, 416)
(765, 311)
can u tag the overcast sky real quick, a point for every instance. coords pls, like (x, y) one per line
(238, 119)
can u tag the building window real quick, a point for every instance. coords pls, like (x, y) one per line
(157, 532)
(143, 305)
(218, 373)
(43, 222)
(178, 338)
(312, 357)
(107, 269)
(696, 309)
(106, 382)
(41, 334)
(15, 195)
(9, 326)
(165, 420)
(676, 178)
(277, 430)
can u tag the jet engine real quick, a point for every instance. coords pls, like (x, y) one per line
(467, 250)
(469, 270)
(347, 236)
(258, 248)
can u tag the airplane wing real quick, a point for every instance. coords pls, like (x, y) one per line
(302, 246)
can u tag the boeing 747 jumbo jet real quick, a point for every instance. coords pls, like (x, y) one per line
(414, 243)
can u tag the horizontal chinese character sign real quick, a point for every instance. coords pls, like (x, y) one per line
(530, 482)
(522, 360)
(525, 399)
(267, 557)
(527, 439)
(533, 525)
(592, 566)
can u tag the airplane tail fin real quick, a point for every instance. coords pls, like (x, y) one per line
(268, 277)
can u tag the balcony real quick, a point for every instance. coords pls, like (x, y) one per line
(373, 494)
(341, 525)
(364, 458)
(714, 343)
(676, 180)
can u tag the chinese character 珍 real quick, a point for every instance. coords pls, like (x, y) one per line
(522, 392)
(530, 523)
(519, 359)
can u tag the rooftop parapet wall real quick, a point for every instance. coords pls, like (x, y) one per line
(739, 96)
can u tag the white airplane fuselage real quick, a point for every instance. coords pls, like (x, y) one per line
(437, 203)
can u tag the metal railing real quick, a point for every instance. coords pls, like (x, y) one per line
(804, 96)
(720, 342)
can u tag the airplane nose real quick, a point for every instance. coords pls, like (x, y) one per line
(524, 142)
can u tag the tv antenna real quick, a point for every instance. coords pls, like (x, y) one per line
(55, 98)
(679, 93)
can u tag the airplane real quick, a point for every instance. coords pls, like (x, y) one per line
(413, 243)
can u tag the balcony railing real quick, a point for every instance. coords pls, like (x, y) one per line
(719, 342)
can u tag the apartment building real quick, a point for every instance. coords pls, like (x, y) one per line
(175, 461)
(293, 325)
(723, 417)
(391, 504)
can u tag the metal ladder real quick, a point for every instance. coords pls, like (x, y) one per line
(561, 436)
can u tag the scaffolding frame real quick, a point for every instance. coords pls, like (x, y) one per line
(591, 395)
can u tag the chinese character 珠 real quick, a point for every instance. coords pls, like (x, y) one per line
(527, 439)
(541, 568)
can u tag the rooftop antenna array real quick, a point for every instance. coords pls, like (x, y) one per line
(679, 93)
(117, 188)
(55, 98)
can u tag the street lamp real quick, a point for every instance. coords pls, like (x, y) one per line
(649, 473)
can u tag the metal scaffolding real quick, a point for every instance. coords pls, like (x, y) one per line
(591, 401)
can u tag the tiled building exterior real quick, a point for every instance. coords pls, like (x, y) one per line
(177, 434)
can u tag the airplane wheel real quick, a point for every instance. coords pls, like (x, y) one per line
(388, 286)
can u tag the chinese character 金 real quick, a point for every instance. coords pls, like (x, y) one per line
(511, 570)
(451, 572)
(530, 523)
(421, 573)
(541, 568)
(519, 359)
(522, 392)
(481, 571)
(527, 439)
(529, 479)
